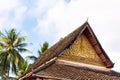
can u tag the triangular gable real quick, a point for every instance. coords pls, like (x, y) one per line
(64, 43)
(57, 49)
(91, 42)
(82, 51)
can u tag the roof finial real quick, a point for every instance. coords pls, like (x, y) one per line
(87, 19)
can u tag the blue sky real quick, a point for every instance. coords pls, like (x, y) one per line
(49, 20)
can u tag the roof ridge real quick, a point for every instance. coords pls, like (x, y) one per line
(39, 68)
(57, 49)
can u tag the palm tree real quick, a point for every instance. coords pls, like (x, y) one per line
(2, 75)
(23, 68)
(11, 45)
(42, 49)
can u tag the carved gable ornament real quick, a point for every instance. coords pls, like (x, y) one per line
(86, 49)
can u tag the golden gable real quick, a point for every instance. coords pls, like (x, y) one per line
(82, 51)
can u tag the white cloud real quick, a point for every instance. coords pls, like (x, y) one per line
(11, 14)
(19, 12)
(62, 17)
(103, 17)
(67, 17)
(6, 5)
(58, 18)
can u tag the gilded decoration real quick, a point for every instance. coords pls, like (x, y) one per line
(82, 51)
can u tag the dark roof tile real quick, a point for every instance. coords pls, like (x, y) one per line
(67, 72)
(73, 73)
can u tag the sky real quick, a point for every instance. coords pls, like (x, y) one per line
(50, 20)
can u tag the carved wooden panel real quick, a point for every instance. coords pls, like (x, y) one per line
(82, 51)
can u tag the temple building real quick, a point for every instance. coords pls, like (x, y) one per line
(78, 56)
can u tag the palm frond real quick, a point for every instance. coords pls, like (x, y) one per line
(44, 47)
(32, 58)
(21, 39)
(11, 44)
(1, 34)
(2, 74)
(3, 62)
(39, 52)
(21, 45)
(23, 50)
(15, 42)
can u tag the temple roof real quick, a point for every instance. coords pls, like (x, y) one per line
(61, 71)
(46, 65)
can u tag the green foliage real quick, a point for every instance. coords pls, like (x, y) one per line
(32, 58)
(11, 45)
(23, 68)
(42, 49)
(2, 74)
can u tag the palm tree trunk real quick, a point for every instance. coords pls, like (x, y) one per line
(7, 77)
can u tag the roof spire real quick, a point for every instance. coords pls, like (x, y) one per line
(87, 19)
